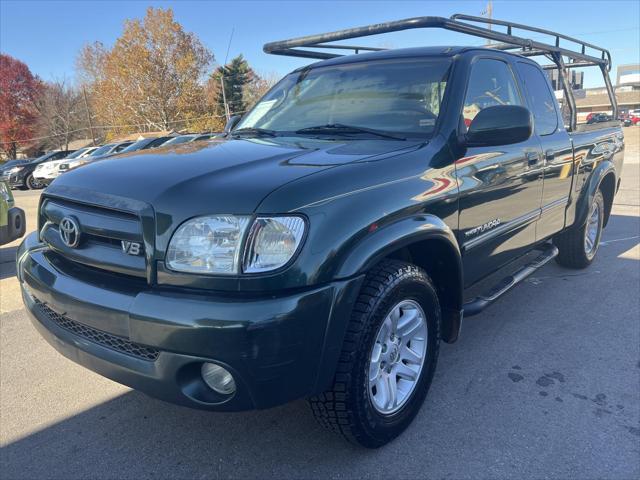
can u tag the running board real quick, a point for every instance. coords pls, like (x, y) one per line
(481, 302)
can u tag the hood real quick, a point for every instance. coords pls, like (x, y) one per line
(219, 176)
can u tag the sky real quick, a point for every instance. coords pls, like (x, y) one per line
(47, 35)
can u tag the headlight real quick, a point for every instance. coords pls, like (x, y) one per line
(272, 243)
(208, 245)
(15, 170)
(213, 244)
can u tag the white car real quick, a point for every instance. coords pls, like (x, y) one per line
(46, 172)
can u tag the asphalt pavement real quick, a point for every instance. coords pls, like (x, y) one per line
(544, 384)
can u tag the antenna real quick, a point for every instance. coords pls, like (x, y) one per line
(227, 112)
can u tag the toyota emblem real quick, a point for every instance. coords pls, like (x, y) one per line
(70, 232)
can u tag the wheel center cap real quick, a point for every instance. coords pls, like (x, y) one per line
(395, 353)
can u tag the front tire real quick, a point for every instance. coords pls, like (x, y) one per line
(32, 184)
(578, 246)
(388, 358)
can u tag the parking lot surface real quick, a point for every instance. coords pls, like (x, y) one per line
(544, 384)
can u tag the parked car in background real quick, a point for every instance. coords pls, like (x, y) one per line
(101, 152)
(12, 219)
(21, 176)
(147, 143)
(625, 119)
(143, 144)
(598, 118)
(9, 164)
(188, 138)
(47, 171)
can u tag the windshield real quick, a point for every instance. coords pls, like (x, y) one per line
(399, 95)
(180, 139)
(137, 145)
(77, 153)
(103, 150)
(11, 163)
(44, 157)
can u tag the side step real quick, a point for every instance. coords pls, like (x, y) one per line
(481, 302)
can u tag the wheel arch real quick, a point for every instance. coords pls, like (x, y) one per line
(426, 241)
(603, 178)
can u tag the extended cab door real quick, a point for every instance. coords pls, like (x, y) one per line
(500, 186)
(556, 147)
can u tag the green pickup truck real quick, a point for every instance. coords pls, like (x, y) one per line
(325, 247)
(12, 222)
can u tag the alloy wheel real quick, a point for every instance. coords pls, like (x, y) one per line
(397, 357)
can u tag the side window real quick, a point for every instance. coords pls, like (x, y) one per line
(491, 83)
(543, 104)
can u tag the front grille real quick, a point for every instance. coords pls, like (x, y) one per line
(102, 231)
(105, 339)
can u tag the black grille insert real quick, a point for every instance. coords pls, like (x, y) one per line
(105, 339)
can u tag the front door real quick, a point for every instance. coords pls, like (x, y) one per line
(500, 186)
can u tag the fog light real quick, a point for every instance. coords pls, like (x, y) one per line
(218, 379)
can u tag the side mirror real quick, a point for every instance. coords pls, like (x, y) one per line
(500, 125)
(232, 122)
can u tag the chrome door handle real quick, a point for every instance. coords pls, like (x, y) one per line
(549, 155)
(532, 158)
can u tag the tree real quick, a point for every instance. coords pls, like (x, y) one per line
(152, 77)
(235, 76)
(19, 91)
(62, 114)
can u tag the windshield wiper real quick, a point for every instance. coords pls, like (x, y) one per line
(254, 131)
(339, 128)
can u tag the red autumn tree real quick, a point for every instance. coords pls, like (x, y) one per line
(19, 89)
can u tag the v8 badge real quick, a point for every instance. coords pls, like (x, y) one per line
(131, 248)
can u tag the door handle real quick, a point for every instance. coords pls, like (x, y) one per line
(532, 158)
(549, 155)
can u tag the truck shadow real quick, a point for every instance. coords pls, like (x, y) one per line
(135, 436)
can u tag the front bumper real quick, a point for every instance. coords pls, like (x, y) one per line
(278, 347)
(16, 180)
(45, 176)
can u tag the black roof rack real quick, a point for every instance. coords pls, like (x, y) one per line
(578, 53)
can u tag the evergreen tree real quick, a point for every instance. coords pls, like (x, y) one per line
(236, 74)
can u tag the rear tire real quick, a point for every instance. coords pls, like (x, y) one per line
(388, 357)
(578, 246)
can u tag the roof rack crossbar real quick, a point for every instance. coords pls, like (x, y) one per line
(605, 55)
(457, 23)
(575, 57)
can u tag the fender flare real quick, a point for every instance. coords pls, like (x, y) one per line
(404, 233)
(590, 188)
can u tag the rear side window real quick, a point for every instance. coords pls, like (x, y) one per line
(542, 102)
(491, 83)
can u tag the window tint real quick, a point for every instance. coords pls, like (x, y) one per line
(543, 104)
(491, 83)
